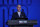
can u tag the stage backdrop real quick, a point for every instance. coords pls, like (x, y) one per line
(31, 9)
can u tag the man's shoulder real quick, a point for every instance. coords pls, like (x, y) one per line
(15, 12)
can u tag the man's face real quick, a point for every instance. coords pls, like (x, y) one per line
(19, 8)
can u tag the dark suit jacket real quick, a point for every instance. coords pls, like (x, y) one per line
(15, 15)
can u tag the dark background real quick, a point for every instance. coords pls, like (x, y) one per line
(31, 9)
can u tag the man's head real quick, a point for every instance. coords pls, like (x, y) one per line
(19, 7)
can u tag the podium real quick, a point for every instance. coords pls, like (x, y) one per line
(21, 23)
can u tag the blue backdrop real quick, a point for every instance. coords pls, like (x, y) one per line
(31, 9)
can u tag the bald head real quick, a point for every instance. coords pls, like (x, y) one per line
(18, 7)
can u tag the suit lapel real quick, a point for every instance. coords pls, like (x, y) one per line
(20, 14)
(17, 15)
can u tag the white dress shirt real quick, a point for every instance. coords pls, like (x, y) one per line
(19, 13)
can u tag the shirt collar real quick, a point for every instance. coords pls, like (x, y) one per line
(17, 11)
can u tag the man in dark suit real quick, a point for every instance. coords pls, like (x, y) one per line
(18, 14)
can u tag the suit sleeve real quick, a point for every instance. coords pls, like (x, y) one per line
(13, 16)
